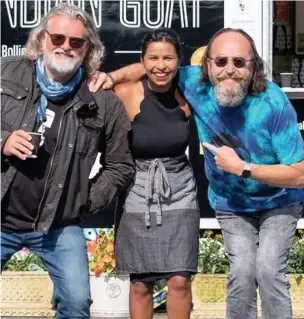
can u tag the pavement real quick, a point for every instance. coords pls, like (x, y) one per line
(156, 316)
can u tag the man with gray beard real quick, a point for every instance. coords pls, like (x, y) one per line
(52, 129)
(254, 161)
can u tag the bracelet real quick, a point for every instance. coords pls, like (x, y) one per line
(111, 77)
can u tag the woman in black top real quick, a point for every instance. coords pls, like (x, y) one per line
(157, 236)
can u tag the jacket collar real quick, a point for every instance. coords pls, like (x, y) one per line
(86, 98)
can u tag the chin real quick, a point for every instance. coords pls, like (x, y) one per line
(161, 83)
(230, 85)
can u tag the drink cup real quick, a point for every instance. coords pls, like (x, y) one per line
(36, 138)
(286, 80)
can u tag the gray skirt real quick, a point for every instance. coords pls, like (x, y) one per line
(159, 227)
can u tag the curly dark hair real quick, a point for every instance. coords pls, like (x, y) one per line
(258, 82)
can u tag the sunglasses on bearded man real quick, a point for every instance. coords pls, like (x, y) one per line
(238, 61)
(59, 39)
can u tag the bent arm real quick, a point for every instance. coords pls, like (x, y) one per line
(280, 175)
(117, 163)
(132, 72)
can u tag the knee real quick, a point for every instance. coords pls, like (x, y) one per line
(243, 275)
(141, 290)
(268, 275)
(179, 285)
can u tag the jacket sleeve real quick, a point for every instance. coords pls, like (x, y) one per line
(4, 159)
(5, 131)
(118, 168)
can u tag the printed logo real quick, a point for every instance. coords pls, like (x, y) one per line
(113, 290)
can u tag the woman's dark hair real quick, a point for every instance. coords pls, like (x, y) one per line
(161, 35)
(258, 82)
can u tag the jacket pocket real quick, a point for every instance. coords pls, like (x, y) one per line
(13, 97)
(87, 141)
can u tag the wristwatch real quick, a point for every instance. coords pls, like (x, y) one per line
(247, 171)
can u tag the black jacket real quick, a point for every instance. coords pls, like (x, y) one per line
(90, 124)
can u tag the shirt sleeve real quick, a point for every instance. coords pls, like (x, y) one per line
(286, 136)
(189, 78)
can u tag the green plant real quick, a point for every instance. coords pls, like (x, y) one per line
(214, 259)
(25, 260)
(212, 256)
(296, 257)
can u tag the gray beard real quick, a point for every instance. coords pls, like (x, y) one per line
(229, 98)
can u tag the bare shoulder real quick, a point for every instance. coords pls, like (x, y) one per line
(127, 89)
(131, 93)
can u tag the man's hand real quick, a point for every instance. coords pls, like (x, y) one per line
(17, 144)
(100, 80)
(226, 159)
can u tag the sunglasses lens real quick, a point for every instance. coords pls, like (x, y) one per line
(221, 61)
(239, 62)
(76, 43)
(57, 39)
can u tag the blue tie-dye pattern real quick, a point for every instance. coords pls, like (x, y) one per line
(265, 125)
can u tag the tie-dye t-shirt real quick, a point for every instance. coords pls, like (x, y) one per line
(263, 130)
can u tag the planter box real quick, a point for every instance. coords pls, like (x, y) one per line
(209, 296)
(29, 294)
(110, 295)
(26, 294)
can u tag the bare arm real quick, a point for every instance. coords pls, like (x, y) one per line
(132, 72)
(278, 174)
(106, 81)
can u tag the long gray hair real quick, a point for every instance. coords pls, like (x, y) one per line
(258, 82)
(95, 51)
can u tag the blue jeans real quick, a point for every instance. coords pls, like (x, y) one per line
(258, 246)
(64, 253)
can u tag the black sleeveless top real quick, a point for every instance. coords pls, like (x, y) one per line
(161, 128)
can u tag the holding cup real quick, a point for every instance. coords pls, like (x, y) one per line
(36, 138)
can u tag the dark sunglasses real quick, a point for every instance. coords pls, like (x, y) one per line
(59, 39)
(238, 61)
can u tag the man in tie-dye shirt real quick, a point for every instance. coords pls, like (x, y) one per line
(254, 161)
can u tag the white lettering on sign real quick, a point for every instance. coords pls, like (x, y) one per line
(13, 50)
(132, 13)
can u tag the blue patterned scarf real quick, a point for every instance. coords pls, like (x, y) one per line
(53, 90)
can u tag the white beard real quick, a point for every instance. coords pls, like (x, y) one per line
(59, 67)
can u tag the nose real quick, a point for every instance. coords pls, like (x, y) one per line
(161, 65)
(66, 45)
(230, 68)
